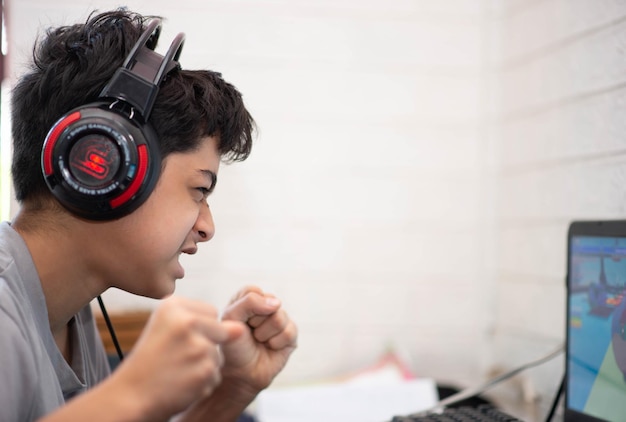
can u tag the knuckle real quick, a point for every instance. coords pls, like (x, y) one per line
(199, 347)
(184, 322)
(276, 343)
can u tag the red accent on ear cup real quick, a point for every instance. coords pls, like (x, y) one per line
(142, 168)
(52, 140)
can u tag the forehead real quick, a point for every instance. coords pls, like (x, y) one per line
(205, 157)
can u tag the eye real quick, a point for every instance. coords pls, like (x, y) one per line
(205, 192)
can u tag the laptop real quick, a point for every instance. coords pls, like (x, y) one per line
(595, 382)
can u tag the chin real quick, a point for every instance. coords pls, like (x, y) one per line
(167, 291)
(160, 291)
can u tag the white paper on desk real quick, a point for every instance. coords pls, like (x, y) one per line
(345, 402)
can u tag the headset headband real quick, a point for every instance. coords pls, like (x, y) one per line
(137, 81)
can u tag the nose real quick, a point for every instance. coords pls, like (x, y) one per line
(204, 227)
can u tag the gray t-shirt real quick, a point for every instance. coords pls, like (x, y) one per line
(35, 379)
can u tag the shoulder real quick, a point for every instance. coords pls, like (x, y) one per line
(16, 264)
(18, 331)
(14, 317)
(16, 313)
(29, 387)
(10, 244)
(19, 367)
(24, 362)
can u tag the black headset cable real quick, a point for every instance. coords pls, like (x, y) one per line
(111, 330)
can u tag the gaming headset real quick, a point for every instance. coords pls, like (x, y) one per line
(102, 160)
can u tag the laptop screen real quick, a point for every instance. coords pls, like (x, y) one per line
(596, 336)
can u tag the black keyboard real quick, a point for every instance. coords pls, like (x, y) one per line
(482, 413)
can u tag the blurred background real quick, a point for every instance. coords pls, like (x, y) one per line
(416, 168)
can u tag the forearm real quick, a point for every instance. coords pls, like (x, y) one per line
(225, 404)
(104, 403)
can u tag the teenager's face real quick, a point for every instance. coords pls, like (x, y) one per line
(174, 220)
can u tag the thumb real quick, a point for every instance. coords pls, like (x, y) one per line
(234, 330)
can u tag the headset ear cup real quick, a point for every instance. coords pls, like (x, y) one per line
(100, 164)
(102, 160)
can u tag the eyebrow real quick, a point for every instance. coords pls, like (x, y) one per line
(211, 176)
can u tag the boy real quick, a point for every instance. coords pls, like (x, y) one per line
(55, 258)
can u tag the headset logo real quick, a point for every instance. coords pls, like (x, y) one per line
(94, 158)
(95, 164)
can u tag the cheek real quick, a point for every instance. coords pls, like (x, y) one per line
(179, 215)
(171, 224)
(154, 227)
(167, 217)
